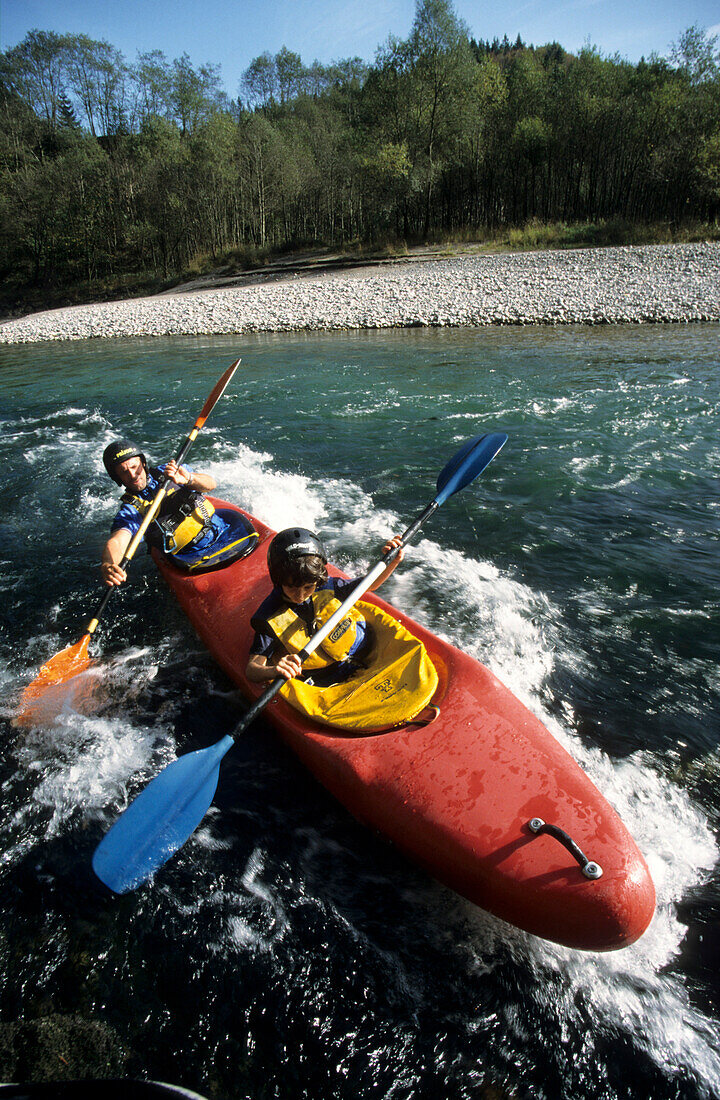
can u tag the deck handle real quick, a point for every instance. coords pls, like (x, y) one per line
(588, 866)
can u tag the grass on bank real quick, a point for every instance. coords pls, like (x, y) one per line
(535, 235)
(16, 300)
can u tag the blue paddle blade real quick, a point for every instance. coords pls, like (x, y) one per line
(467, 463)
(159, 821)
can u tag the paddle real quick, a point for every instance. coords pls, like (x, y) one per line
(166, 813)
(75, 659)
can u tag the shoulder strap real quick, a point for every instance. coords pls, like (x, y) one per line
(259, 620)
(140, 502)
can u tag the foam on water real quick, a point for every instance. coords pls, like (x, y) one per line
(72, 446)
(240, 931)
(75, 770)
(277, 498)
(236, 921)
(83, 755)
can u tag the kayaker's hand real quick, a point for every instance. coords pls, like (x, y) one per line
(288, 666)
(393, 544)
(112, 574)
(176, 473)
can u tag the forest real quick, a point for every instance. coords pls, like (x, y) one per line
(119, 176)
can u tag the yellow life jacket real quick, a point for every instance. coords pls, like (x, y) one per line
(398, 681)
(184, 514)
(291, 629)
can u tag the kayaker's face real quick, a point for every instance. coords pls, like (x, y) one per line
(132, 473)
(298, 593)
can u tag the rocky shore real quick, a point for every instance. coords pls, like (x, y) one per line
(658, 283)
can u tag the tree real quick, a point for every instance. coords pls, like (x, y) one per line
(68, 118)
(151, 78)
(210, 186)
(194, 95)
(160, 220)
(36, 70)
(260, 158)
(419, 90)
(290, 74)
(96, 74)
(709, 171)
(103, 165)
(696, 55)
(260, 81)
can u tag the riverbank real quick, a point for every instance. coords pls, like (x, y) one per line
(645, 284)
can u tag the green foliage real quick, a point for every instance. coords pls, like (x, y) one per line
(116, 174)
(390, 163)
(194, 95)
(68, 118)
(697, 56)
(709, 164)
(531, 140)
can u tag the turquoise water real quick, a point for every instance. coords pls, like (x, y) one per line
(288, 952)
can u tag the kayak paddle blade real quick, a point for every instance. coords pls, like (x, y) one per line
(467, 463)
(159, 821)
(62, 667)
(216, 394)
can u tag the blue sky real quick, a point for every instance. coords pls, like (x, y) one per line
(230, 33)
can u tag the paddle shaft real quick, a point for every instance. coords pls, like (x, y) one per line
(162, 491)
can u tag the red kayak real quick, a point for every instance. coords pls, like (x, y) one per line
(480, 794)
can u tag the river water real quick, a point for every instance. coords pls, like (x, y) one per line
(288, 952)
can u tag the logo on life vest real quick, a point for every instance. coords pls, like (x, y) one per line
(340, 630)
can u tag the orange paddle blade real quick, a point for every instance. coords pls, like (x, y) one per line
(63, 666)
(215, 396)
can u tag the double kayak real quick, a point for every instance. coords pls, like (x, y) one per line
(429, 748)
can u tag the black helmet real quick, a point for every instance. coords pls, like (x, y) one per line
(119, 451)
(290, 545)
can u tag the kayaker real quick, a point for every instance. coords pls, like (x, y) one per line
(302, 599)
(187, 523)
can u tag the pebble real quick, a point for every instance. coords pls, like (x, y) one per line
(646, 284)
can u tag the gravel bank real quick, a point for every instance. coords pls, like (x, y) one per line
(660, 283)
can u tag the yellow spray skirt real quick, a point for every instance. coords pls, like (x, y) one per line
(397, 681)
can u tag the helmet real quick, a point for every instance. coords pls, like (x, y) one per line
(290, 545)
(119, 451)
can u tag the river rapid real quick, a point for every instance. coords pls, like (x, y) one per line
(287, 951)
